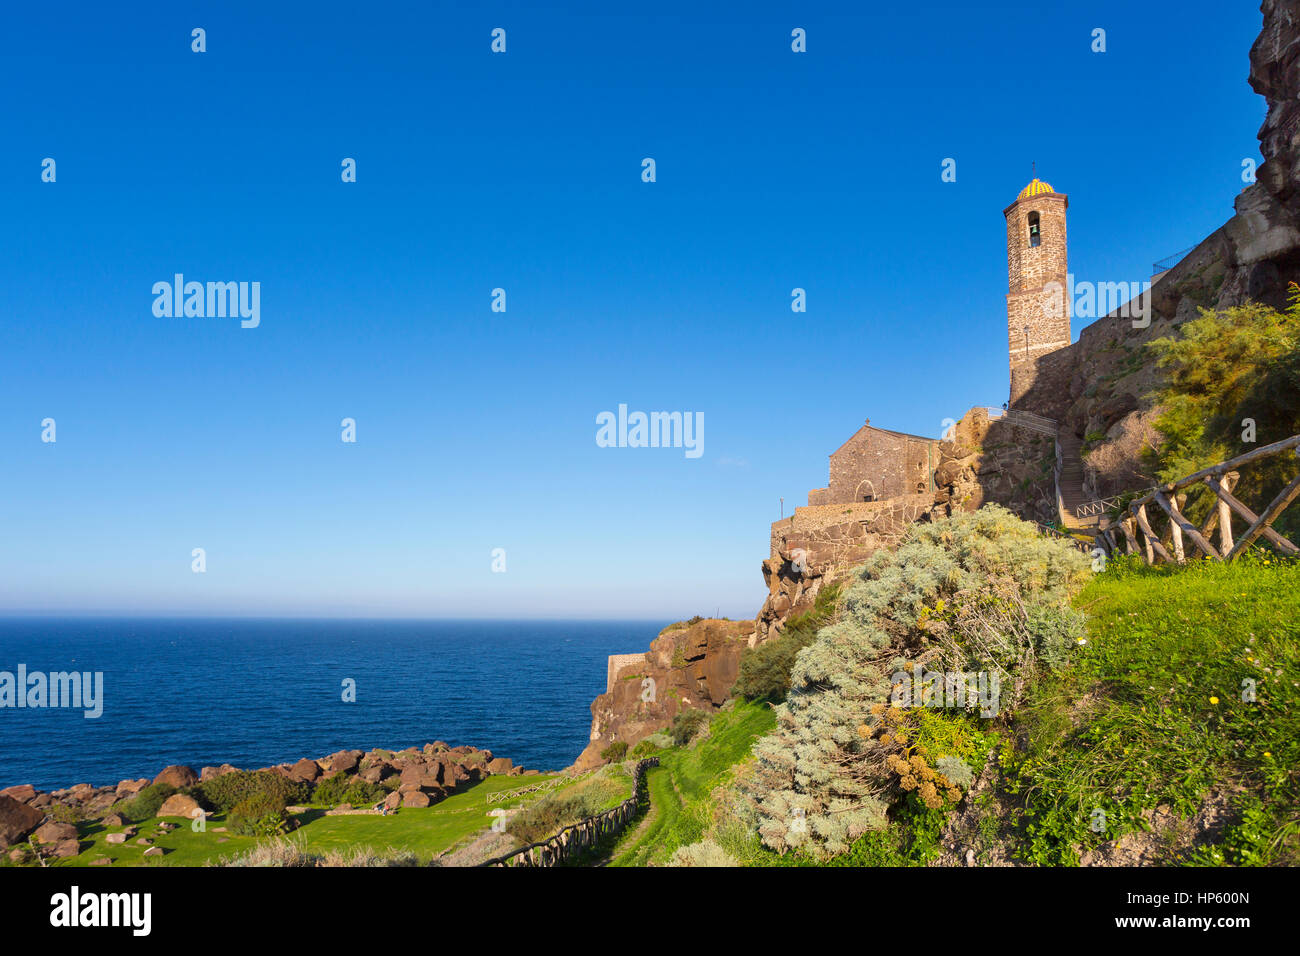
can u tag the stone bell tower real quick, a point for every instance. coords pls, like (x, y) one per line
(1038, 306)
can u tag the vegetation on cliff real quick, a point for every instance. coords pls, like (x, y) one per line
(1225, 370)
(979, 593)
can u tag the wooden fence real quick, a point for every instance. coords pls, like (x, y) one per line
(502, 795)
(584, 834)
(1220, 479)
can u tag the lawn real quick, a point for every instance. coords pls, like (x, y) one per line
(1189, 683)
(681, 786)
(425, 832)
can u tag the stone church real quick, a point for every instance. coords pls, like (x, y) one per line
(876, 464)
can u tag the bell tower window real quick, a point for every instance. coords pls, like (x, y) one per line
(1035, 235)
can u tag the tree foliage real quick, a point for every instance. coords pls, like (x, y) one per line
(1225, 367)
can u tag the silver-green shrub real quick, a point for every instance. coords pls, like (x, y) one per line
(956, 594)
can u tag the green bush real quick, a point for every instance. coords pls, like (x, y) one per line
(1221, 368)
(341, 788)
(144, 805)
(652, 745)
(223, 792)
(259, 814)
(765, 669)
(614, 752)
(686, 725)
(552, 813)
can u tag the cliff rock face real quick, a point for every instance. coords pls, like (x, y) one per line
(1275, 75)
(1100, 388)
(691, 667)
(996, 461)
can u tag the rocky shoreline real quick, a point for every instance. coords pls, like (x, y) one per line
(414, 777)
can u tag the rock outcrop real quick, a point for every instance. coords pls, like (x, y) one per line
(688, 666)
(418, 777)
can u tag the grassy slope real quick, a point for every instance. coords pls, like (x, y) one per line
(426, 832)
(680, 787)
(1151, 711)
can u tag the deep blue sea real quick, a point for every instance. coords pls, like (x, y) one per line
(258, 692)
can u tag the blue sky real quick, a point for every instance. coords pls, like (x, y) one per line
(476, 429)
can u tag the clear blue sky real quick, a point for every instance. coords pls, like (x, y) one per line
(476, 430)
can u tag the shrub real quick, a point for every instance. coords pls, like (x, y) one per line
(341, 788)
(684, 624)
(144, 805)
(614, 752)
(1222, 367)
(224, 792)
(545, 817)
(259, 814)
(959, 591)
(652, 745)
(686, 725)
(287, 852)
(704, 853)
(765, 669)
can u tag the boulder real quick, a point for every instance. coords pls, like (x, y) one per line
(178, 776)
(304, 771)
(66, 848)
(377, 771)
(345, 761)
(129, 788)
(178, 805)
(500, 765)
(101, 861)
(22, 793)
(17, 820)
(154, 851)
(113, 821)
(415, 798)
(210, 773)
(116, 839)
(393, 800)
(53, 832)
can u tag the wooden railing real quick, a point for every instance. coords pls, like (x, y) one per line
(1220, 479)
(1091, 509)
(562, 781)
(584, 834)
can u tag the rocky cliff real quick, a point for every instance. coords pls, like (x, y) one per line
(688, 666)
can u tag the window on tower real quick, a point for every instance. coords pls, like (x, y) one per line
(1035, 237)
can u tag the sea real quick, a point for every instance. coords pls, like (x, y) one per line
(253, 693)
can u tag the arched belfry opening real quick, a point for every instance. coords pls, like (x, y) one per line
(1035, 230)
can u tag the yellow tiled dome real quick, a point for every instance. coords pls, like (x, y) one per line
(1036, 188)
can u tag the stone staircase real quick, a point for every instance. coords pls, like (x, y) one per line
(1072, 493)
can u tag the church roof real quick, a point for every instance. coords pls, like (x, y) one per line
(1035, 188)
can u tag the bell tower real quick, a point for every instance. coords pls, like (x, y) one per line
(1038, 306)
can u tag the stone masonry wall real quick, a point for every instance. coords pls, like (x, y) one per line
(1037, 282)
(878, 464)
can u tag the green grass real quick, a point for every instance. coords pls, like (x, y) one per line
(1151, 711)
(425, 832)
(681, 786)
